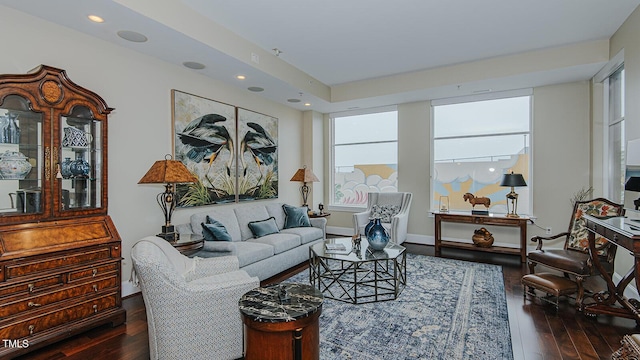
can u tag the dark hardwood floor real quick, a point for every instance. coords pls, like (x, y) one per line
(537, 330)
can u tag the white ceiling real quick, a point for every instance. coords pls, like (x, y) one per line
(340, 41)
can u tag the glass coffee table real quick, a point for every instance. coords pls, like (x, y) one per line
(355, 275)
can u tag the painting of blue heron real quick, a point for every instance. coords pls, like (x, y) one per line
(258, 156)
(232, 151)
(204, 140)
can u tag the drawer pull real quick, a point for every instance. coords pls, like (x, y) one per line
(95, 309)
(615, 237)
(31, 286)
(116, 248)
(95, 287)
(31, 328)
(32, 304)
(94, 272)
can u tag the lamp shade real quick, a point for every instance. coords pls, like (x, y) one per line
(513, 180)
(304, 175)
(633, 184)
(168, 171)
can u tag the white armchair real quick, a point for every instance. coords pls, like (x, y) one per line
(191, 304)
(394, 208)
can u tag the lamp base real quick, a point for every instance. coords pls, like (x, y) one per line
(513, 215)
(168, 233)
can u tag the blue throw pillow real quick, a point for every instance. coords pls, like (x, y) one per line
(213, 230)
(264, 227)
(296, 216)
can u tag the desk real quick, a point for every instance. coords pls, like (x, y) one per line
(482, 220)
(620, 234)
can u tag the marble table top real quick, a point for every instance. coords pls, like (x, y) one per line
(281, 302)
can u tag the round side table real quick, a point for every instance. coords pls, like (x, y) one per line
(281, 322)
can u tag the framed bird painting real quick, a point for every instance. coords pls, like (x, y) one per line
(257, 156)
(205, 141)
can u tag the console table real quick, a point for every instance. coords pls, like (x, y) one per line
(621, 234)
(482, 220)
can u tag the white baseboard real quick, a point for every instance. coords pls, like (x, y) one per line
(413, 238)
(630, 292)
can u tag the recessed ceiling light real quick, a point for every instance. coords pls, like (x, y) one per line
(132, 36)
(95, 18)
(241, 77)
(307, 104)
(255, 89)
(193, 65)
(293, 100)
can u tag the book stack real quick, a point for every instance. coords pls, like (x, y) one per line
(335, 249)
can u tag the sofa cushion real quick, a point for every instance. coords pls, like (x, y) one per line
(277, 212)
(226, 217)
(263, 227)
(247, 214)
(219, 246)
(213, 230)
(306, 234)
(295, 216)
(249, 252)
(280, 242)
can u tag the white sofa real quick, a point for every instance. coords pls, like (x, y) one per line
(261, 257)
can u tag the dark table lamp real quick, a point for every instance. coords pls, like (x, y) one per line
(168, 172)
(633, 184)
(513, 180)
(304, 176)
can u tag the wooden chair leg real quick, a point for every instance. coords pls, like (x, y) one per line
(580, 296)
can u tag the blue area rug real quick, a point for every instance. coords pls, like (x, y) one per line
(449, 310)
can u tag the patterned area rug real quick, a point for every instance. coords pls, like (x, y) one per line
(449, 309)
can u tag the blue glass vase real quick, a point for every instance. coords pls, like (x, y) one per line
(368, 227)
(377, 236)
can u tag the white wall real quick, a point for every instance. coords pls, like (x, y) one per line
(561, 144)
(139, 88)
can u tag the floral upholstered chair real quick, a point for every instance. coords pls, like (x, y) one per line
(573, 259)
(393, 210)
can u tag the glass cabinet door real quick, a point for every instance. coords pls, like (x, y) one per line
(21, 158)
(80, 164)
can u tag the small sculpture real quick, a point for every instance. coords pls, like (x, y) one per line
(477, 200)
(482, 238)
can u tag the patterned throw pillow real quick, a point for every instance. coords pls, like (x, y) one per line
(213, 230)
(579, 236)
(384, 212)
(296, 216)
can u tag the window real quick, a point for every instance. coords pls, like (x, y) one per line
(474, 144)
(616, 139)
(364, 156)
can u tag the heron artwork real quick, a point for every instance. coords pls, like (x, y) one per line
(260, 145)
(207, 139)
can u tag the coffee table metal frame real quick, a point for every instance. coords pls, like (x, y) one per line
(358, 277)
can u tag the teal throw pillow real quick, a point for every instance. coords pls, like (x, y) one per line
(213, 230)
(296, 216)
(264, 227)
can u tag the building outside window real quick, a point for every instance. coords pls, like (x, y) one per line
(475, 142)
(364, 156)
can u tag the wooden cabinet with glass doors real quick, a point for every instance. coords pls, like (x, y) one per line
(60, 253)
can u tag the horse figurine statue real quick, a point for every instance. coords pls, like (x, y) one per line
(477, 200)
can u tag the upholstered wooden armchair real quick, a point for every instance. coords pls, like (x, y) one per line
(191, 304)
(573, 259)
(393, 210)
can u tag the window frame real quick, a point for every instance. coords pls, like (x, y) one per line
(528, 92)
(332, 164)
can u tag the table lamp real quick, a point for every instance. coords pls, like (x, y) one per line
(633, 184)
(304, 175)
(513, 180)
(168, 172)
